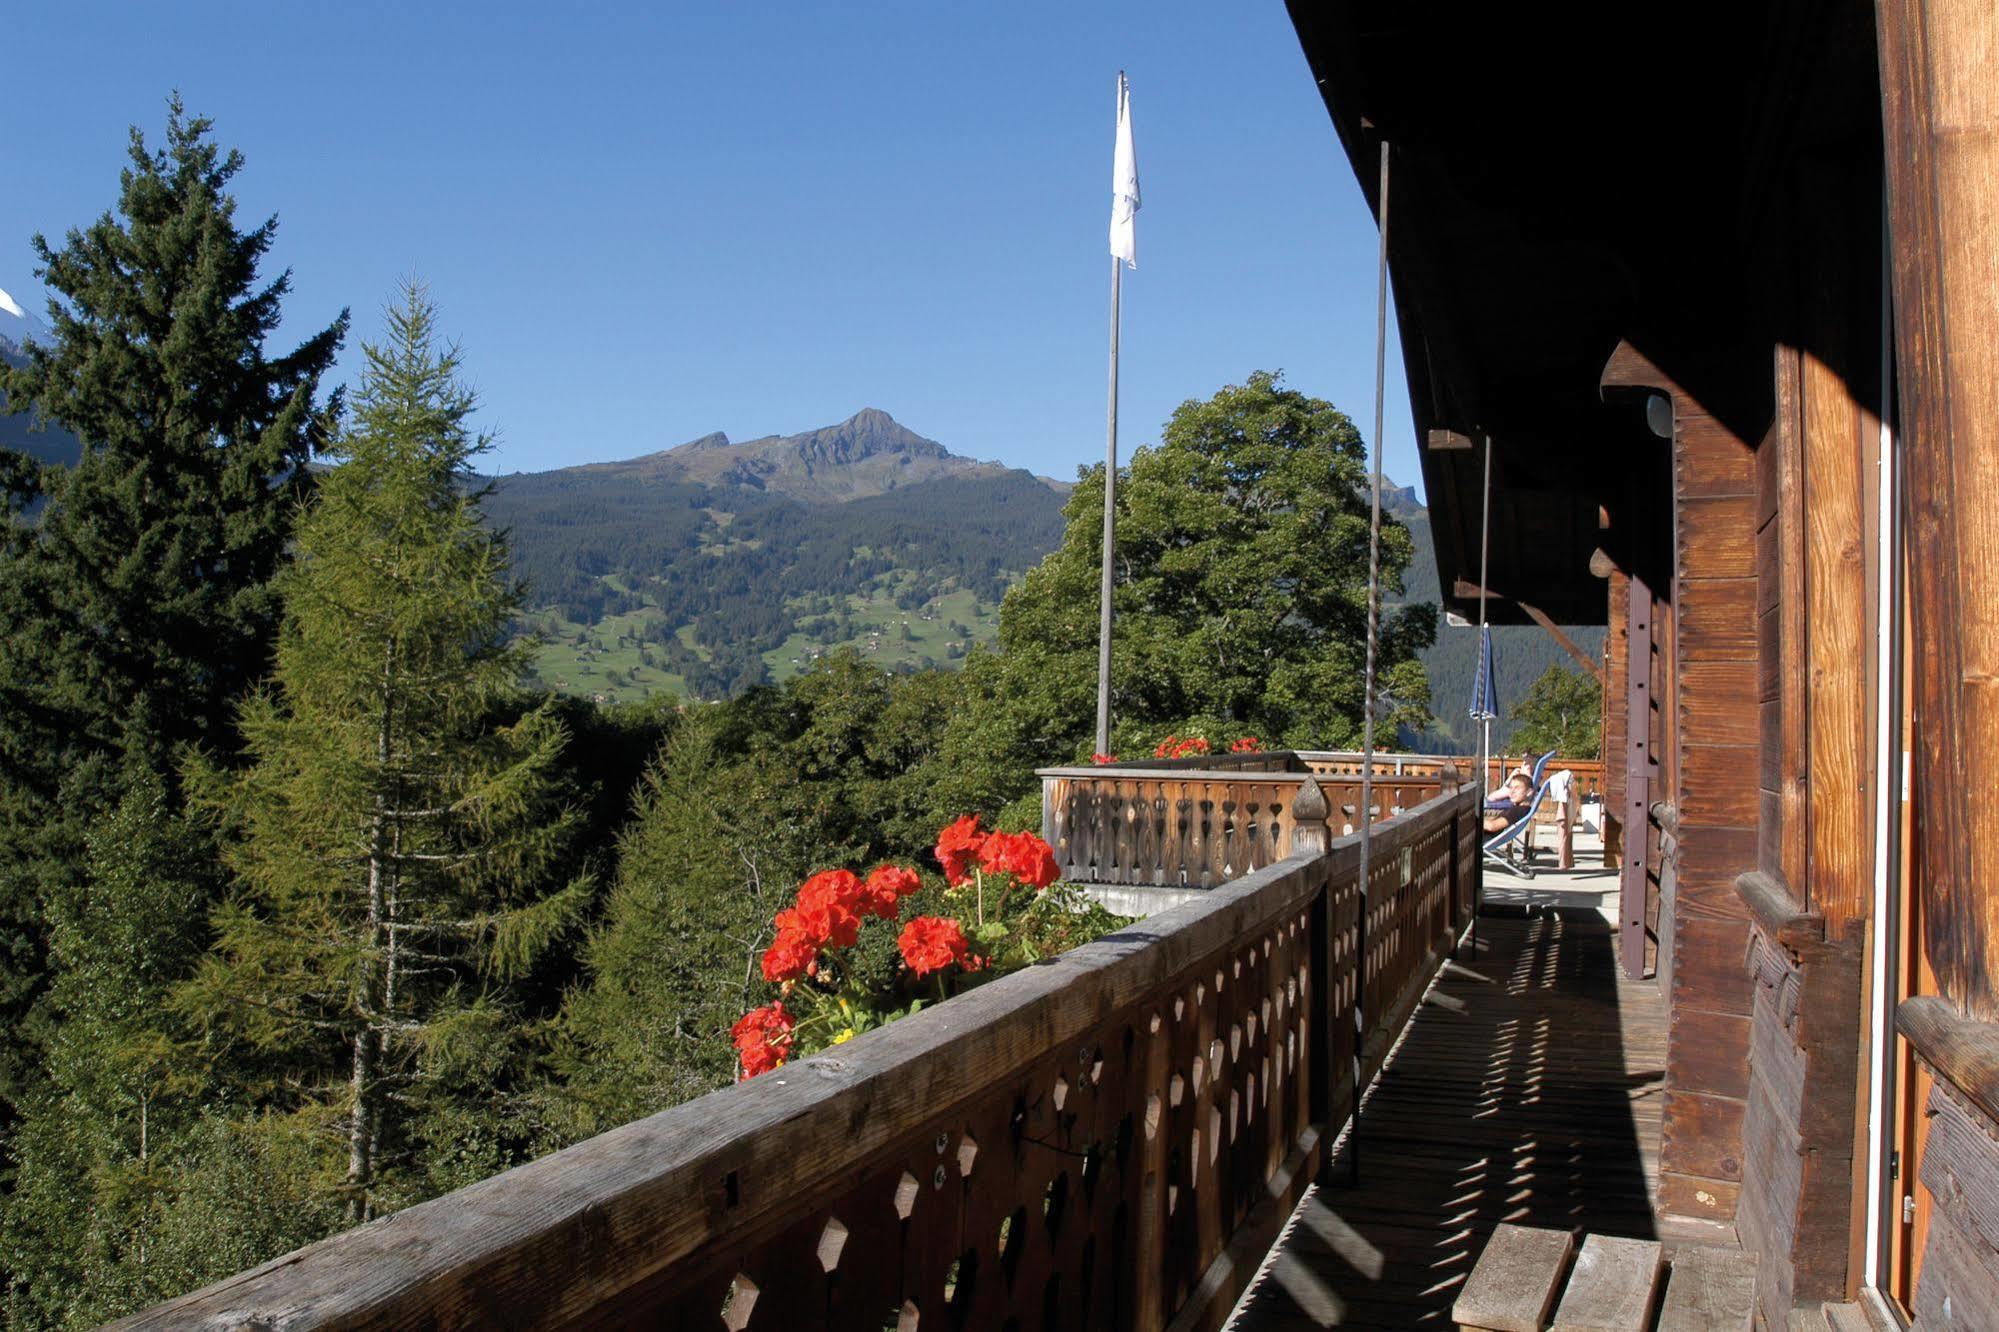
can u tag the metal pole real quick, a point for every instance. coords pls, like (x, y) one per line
(1367, 709)
(1110, 527)
(1485, 726)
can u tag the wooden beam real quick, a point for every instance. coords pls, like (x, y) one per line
(1469, 592)
(1940, 116)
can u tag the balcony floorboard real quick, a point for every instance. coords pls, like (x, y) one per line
(1527, 1091)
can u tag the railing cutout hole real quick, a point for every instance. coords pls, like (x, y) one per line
(741, 1300)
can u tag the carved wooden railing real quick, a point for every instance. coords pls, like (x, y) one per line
(1196, 827)
(1330, 763)
(1105, 1141)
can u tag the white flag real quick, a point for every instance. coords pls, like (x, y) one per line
(1124, 181)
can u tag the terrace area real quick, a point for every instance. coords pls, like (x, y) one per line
(1148, 1131)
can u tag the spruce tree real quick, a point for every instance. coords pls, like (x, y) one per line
(393, 837)
(134, 585)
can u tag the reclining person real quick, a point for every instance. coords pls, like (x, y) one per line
(1504, 810)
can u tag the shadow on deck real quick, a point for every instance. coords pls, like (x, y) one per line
(1527, 1089)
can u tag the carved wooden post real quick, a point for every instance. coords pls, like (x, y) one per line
(1310, 834)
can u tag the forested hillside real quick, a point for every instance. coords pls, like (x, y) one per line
(714, 567)
(23, 433)
(1520, 653)
(642, 579)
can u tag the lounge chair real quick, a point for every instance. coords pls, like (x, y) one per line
(1508, 838)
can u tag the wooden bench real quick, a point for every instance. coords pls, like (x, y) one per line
(1612, 1286)
(1712, 1287)
(1516, 1280)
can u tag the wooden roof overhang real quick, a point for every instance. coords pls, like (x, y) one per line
(1564, 179)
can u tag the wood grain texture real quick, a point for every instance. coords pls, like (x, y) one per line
(1840, 706)
(1516, 1279)
(1710, 1289)
(1614, 1287)
(1940, 111)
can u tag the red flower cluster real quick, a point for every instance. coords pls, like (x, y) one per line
(828, 914)
(931, 943)
(1023, 855)
(763, 1039)
(1175, 747)
(1248, 744)
(885, 888)
(1101, 759)
(957, 846)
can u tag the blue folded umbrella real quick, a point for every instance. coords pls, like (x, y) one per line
(1484, 693)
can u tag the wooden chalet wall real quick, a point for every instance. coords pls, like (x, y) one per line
(1940, 110)
(1708, 792)
(1809, 894)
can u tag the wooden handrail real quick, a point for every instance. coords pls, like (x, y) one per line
(1094, 1131)
(1960, 1051)
(1196, 828)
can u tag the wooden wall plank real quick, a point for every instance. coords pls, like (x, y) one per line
(1718, 618)
(1940, 111)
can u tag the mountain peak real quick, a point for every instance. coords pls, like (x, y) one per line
(868, 433)
(869, 453)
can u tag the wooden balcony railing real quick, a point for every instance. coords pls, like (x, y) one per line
(1105, 1141)
(1196, 827)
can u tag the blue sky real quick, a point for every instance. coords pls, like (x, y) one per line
(649, 221)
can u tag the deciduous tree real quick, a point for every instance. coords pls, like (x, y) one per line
(1241, 599)
(1563, 711)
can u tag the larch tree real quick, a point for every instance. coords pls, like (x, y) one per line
(135, 583)
(394, 838)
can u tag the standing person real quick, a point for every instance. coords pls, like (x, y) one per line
(1561, 793)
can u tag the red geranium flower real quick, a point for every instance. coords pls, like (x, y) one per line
(1023, 855)
(790, 956)
(957, 845)
(885, 888)
(1101, 759)
(763, 1039)
(931, 943)
(829, 909)
(1248, 744)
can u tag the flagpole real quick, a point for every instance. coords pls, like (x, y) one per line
(1110, 525)
(1124, 204)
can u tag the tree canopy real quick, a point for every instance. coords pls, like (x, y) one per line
(135, 585)
(1563, 711)
(1240, 600)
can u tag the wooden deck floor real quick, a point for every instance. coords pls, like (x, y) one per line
(1528, 1090)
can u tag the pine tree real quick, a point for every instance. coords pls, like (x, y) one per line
(393, 836)
(134, 585)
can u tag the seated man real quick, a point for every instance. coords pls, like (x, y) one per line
(1504, 810)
